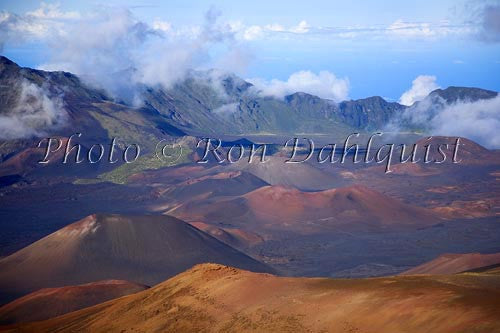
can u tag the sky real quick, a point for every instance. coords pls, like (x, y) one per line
(399, 50)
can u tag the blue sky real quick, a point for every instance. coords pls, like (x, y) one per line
(377, 48)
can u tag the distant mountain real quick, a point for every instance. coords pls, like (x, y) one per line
(35, 104)
(423, 115)
(52, 302)
(204, 103)
(143, 249)
(369, 113)
(38, 98)
(198, 108)
(215, 298)
(454, 94)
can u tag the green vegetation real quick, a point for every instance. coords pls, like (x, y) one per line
(87, 181)
(126, 132)
(120, 174)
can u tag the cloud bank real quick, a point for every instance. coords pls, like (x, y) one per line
(110, 48)
(421, 87)
(478, 121)
(324, 84)
(35, 112)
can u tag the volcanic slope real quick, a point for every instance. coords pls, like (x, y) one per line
(236, 238)
(216, 298)
(52, 302)
(451, 263)
(303, 176)
(284, 208)
(143, 249)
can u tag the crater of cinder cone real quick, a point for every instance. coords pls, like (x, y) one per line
(469, 154)
(215, 298)
(52, 302)
(468, 150)
(349, 204)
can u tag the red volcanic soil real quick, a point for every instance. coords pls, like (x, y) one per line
(52, 302)
(455, 263)
(220, 183)
(354, 203)
(145, 249)
(471, 209)
(283, 208)
(236, 238)
(411, 169)
(200, 188)
(27, 160)
(215, 298)
(469, 153)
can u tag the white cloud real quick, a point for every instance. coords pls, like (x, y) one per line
(301, 28)
(324, 84)
(275, 27)
(49, 20)
(227, 109)
(166, 61)
(253, 32)
(421, 87)
(162, 26)
(35, 112)
(478, 121)
(399, 29)
(406, 29)
(42, 23)
(427, 30)
(236, 60)
(52, 11)
(16, 30)
(101, 47)
(112, 49)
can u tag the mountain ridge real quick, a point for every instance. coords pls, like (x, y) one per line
(217, 102)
